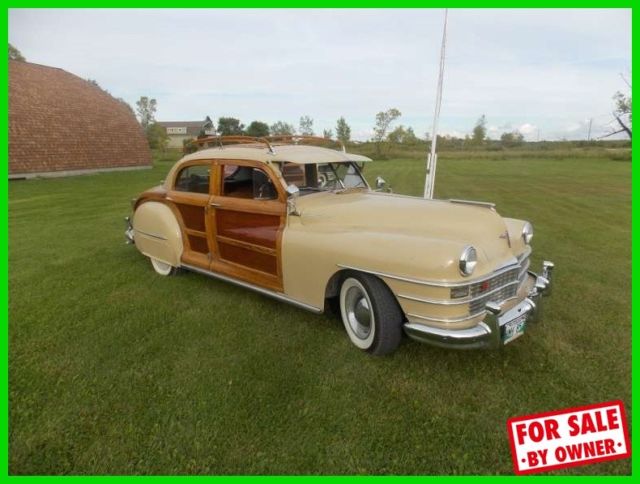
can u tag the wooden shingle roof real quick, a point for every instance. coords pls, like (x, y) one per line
(59, 122)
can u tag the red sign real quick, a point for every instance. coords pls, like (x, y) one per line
(567, 438)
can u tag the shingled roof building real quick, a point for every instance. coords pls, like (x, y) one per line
(60, 124)
(178, 131)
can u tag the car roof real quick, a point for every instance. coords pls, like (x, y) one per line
(299, 154)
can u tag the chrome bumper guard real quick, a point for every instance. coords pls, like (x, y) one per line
(488, 333)
(128, 233)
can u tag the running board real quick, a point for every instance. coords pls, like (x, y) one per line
(265, 292)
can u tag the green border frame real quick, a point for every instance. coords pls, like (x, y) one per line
(4, 262)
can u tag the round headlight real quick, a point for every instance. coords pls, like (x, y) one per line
(527, 233)
(468, 261)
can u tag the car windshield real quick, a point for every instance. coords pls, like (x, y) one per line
(311, 178)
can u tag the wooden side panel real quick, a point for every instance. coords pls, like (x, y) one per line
(254, 259)
(248, 239)
(254, 228)
(192, 216)
(191, 210)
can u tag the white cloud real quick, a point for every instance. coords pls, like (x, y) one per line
(527, 128)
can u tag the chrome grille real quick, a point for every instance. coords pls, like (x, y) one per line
(499, 288)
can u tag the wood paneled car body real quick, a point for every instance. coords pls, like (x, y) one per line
(298, 222)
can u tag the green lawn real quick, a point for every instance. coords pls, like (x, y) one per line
(114, 370)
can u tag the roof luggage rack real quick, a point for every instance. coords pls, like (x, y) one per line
(268, 141)
(230, 140)
(304, 139)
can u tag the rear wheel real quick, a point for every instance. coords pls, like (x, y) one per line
(370, 314)
(163, 268)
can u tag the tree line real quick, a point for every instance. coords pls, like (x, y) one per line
(229, 126)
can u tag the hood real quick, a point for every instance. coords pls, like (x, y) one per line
(366, 211)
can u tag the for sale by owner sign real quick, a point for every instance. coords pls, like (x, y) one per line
(571, 437)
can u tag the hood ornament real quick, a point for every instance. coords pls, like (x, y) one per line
(505, 236)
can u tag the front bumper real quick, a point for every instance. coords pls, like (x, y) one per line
(489, 334)
(128, 233)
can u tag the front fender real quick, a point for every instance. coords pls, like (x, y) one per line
(310, 257)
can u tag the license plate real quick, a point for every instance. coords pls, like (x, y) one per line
(514, 329)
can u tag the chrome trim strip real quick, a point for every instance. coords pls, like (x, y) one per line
(159, 237)
(457, 320)
(434, 283)
(265, 292)
(525, 254)
(454, 302)
(489, 205)
(448, 320)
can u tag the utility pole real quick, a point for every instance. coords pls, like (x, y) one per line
(589, 133)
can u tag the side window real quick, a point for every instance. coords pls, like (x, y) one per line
(194, 179)
(247, 182)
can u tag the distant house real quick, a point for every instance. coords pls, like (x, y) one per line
(60, 124)
(177, 131)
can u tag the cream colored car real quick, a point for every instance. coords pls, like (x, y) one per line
(299, 222)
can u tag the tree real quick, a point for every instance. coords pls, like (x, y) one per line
(397, 135)
(479, 130)
(189, 145)
(230, 126)
(402, 135)
(512, 139)
(157, 136)
(306, 126)
(146, 111)
(410, 137)
(15, 54)
(280, 128)
(327, 133)
(383, 121)
(623, 108)
(207, 126)
(258, 129)
(343, 130)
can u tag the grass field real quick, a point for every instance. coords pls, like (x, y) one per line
(115, 370)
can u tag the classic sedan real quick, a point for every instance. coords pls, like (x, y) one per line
(298, 222)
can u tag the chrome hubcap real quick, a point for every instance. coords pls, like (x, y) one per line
(358, 312)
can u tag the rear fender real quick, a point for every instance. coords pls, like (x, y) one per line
(157, 233)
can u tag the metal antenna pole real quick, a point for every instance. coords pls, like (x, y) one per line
(432, 160)
(589, 134)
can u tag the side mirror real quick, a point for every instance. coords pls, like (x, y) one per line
(380, 183)
(293, 191)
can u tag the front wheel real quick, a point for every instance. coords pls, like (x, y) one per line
(163, 268)
(370, 314)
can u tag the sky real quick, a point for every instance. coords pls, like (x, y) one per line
(543, 72)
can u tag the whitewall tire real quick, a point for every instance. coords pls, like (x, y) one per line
(162, 268)
(370, 313)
